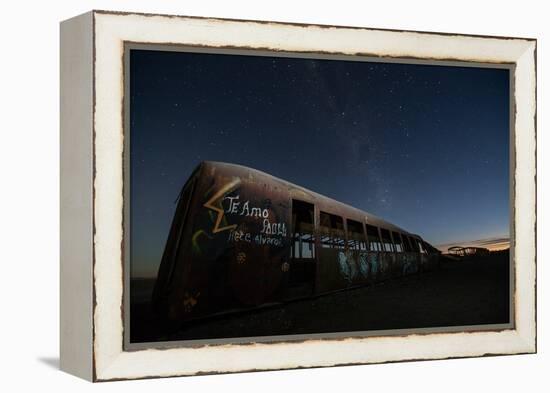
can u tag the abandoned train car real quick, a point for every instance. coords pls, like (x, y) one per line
(241, 238)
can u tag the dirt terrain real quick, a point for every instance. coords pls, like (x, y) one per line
(463, 292)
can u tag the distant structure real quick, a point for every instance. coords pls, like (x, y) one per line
(468, 251)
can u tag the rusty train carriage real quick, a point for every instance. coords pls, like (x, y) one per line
(241, 238)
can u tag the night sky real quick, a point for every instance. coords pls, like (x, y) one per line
(424, 147)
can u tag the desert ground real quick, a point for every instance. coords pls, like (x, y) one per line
(473, 291)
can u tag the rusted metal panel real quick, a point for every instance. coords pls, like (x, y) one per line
(234, 245)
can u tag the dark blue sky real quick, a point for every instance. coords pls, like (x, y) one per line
(424, 147)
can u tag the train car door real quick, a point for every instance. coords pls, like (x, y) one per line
(303, 258)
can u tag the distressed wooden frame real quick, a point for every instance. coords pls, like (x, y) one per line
(92, 190)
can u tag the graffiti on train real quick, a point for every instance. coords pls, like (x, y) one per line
(353, 265)
(259, 239)
(364, 265)
(410, 265)
(269, 229)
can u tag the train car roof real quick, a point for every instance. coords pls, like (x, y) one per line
(300, 192)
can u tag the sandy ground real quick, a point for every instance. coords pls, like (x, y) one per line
(466, 292)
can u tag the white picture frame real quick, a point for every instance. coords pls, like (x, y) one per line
(92, 194)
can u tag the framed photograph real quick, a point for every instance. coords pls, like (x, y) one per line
(245, 195)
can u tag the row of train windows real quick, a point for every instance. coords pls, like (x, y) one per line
(333, 235)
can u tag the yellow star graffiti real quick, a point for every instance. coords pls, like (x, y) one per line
(216, 199)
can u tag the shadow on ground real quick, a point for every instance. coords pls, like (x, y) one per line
(52, 362)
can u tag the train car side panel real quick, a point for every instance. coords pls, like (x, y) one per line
(241, 238)
(238, 246)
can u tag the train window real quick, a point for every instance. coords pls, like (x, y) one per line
(303, 246)
(373, 238)
(414, 244)
(397, 241)
(406, 244)
(356, 236)
(429, 249)
(421, 246)
(331, 228)
(386, 240)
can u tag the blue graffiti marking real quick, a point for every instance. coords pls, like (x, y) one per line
(409, 265)
(374, 263)
(352, 266)
(363, 265)
(344, 267)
